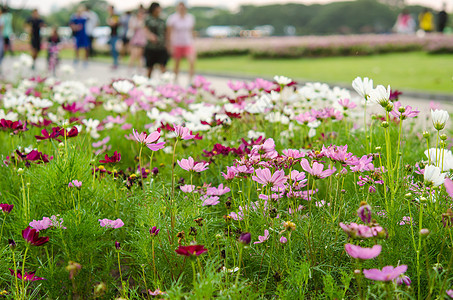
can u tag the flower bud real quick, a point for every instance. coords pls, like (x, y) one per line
(385, 124)
(283, 240)
(443, 136)
(424, 232)
(12, 244)
(20, 171)
(245, 238)
(389, 107)
(378, 149)
(117, 245)
(290, 226)
(425, 134)
(154, 231)
(402, 109)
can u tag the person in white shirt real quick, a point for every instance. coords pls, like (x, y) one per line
(180, 30)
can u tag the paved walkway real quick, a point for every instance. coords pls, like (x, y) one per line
(103, 73)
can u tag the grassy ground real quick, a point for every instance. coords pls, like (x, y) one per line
(414, 71)
(406, 71)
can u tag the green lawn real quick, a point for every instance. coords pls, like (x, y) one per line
(409, 71)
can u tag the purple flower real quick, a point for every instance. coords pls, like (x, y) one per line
(28, 276)
(364, 213)
(245, 238)
(388, 273)
(363, 253)
(450, 293)
(283, 240)
(47, 223)
(403, 279)
(154, 231)
(32, 237)
(111, 223)
(117, 245)
(75, 183)
(262, 239)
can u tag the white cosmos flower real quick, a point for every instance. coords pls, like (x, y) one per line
(380, 95)
(282, 80)
(363, 87)
(444, 158)
(123, 86)
(433, 176)
(440, 118)
(92, 127)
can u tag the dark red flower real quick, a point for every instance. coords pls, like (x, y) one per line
(6, 208)
(394, 95)
(15, 126)
(47, 136)
(192, 250)
(37, 156)
(116, 157)
(71, 133)
(32, 237)
(28, 276)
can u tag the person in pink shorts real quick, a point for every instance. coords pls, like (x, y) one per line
(180, 30)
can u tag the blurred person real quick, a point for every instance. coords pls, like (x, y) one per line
(405, 24)
(137, 37)
(113, 21)
(91, 24)
(426, 21)
(442, 18)
(53, 50)
(180, 27)
(156, 34)
(124, 28)
(7, 20)
(78, 24)
(35, 23)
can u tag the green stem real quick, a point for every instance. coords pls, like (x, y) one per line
(172, 217)
(23, 269)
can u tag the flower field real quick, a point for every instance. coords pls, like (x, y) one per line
(324, 46)
(142, 189)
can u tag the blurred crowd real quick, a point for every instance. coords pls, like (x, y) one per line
(427, 22)
(142, 35)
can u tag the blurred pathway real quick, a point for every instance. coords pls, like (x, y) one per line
(102, 73)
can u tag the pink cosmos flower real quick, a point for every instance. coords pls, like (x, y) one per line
(187, 188)
(262, 239)
(264, 177)
(101, 143)
(317, 169)
(210, 200)
(388, 273)
(406, 220)
(449, 186)
(47, 223)
(346, 104)
(363, 253)
(267, 149)
(118, 223)
(190, 165)
(403, 279)
(217, 191)
(149, 140)
(293, 153)
(407, 111)
(283, 240)
(360, 231)
(182, 132)
(363, 164)
(229, 174)
(450, 293)
(156, 292)
(236, 216)
(75, 183)
(235, 86)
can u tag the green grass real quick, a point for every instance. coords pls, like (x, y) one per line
(406, 71)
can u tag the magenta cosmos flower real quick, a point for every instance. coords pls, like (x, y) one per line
(317, 169)
(265, 177)
(388, 273)
(32, 237)
(28, 276)
(6, 208)
(182, 132)
(191, 250)
(118, 223)
(149, 140)
(116, 157)
(363, 253)
(190, 165)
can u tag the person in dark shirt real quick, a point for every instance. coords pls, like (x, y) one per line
(35, 23)
(156, 34)
(78, 24)
(442, 19)
(113, 21)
